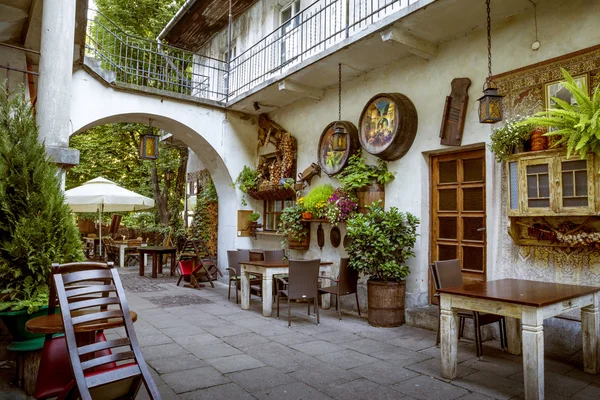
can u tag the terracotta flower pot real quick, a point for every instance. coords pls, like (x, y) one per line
(307, 215)
(538, 140)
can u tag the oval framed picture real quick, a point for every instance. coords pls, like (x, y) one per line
(332, 162)
(388, 126)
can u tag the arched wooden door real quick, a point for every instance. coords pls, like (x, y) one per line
(458, 212)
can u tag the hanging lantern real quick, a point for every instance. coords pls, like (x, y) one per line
(149, 144)
(169, 175)
(338, 140)
(490, 104)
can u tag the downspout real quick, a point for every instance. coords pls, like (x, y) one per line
(184, 9)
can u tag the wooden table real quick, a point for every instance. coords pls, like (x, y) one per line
(531, 302)
(268, 269)
(123, 246)
(157, 253)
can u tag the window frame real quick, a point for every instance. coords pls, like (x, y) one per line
(277, 214)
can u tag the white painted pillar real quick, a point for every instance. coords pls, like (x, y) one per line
(590, 330)
(533, 352)
(54, 85)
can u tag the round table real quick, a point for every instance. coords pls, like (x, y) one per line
(53, 323)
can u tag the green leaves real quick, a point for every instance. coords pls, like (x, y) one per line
(246, 180)
(508, 137)
(381, 242)
(358, 174)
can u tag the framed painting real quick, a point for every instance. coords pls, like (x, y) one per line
(557, 89)
(332, 162)
(388, 126)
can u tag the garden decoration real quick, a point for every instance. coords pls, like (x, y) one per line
(388, 126)
(455, 109)
(509, 138)
(380, 244)
(333, 160)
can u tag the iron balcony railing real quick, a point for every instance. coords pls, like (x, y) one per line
(318, 27)
(145, 63)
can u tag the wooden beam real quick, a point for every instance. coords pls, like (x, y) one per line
(414, 44)
(305, 90)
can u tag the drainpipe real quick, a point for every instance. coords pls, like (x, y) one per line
(184, 9)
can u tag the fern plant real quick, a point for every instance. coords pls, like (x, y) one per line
(577, 126)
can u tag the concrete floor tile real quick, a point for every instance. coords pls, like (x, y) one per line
(163, 351)
(590, 392)
(154, 340)
(401, 356)
(255, 380)
(234, 363)
(338, 337)
(564, 385)
(226, 330)
(179, 363)
(432, 368)
(346, 359)
(292, 391)
(323, 375)
(193, 379)
(384, 373)
(174, 332)
(317, 347)
(214, 350)
(245, 340)
(369, 346)
(496, 366)
(363, 389)
(222, 392)
(427, 388)
(490, 385)
(292, 338)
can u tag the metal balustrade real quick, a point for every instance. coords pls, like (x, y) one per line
(150, 64)
(141, 62)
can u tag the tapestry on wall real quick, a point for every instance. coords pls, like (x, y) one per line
(524, 94)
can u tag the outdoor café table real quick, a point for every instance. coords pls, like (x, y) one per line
(157, 252)
(268, 269)
(123, 246)
(531, 302)
(85, 334)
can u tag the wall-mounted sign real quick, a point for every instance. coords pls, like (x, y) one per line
(331, 161)
(388, 126)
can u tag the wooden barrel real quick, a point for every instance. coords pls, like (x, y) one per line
(538, 140)
(386, 303)
(300, 244)
(369, 194)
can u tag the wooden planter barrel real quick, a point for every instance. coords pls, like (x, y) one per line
(368, 194)
(538, 140)
(386, 303)
(300, 244)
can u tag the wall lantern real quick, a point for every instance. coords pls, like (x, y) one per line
(490, 104)
(149, 144)
(339, 133)
(169, 175)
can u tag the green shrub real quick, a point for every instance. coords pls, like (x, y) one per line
(358, 174)
(316, 200)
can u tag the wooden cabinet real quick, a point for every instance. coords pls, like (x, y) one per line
(546, 183)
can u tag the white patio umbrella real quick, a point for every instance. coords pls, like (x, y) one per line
(100, 194)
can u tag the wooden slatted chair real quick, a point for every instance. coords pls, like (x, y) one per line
(195, 264)
(77, 293)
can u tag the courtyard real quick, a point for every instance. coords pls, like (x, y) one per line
(200, 345)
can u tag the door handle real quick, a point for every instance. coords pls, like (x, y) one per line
(481, 229)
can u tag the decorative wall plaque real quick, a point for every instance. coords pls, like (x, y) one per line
(332, 162)
(335, 236)
(453, 120)
(388, 126)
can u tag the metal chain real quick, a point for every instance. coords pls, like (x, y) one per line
(535, 18)
(489, 39)
(339, 92)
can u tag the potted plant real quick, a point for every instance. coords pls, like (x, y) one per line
(577, 126)
(380, 244)
(246, 181)
(341, 205)
(296, 232)
(367, 181)
(36, 227)
(509, 138)
(253, 217)
(315, 201)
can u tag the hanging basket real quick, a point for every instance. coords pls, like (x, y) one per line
(272, 192)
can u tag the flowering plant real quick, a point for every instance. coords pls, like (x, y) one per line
(340, 206)
(507, 138)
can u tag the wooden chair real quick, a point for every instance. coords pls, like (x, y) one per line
(54, 372)
(110, 249)
(448, 274)
(346, 283)
(302, 284)
(234, 258)
(119, 382)
(194, 264)
(133, 254)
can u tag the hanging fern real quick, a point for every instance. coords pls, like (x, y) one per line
(578, 126)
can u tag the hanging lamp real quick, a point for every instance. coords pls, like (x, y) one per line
(490, 104)
(339, 132)
(149, 144)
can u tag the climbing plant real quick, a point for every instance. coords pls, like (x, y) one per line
(206, 216)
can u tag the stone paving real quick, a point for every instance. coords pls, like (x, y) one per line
(200, 345)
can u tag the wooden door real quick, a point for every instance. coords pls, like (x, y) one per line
(458, 212)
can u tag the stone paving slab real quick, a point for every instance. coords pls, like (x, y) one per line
(200, 345)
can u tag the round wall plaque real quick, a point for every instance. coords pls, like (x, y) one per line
(388, 126)
(335, 236)
(332, 162)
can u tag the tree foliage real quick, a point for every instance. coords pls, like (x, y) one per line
(36, 226)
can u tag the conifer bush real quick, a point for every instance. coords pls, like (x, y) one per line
(36, 226)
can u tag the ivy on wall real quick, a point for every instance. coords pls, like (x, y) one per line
(206, 216)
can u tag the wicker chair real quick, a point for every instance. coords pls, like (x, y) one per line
(301, 284)
(234, 258)
(346, 283)
(448, 274)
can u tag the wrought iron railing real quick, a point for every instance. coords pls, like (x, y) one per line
(145, 63)
(318, 27)
(141, 62)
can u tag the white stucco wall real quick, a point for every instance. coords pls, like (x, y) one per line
(15, 59)
(564, 27)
